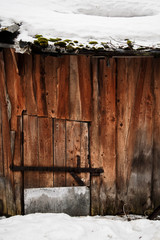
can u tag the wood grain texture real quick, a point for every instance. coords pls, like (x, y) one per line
(30, 129)
(73, 141)
(39, 79)
(7, 156)
(84, 152)
(30, 86)
(59, 151)
(107, 131)
(45, 150)
(51, 66)
(94, 141)
(1, 147)
(134, 133)
(156, 138)
(75, 107)
(63, 88)
(14, 86)
(17, 160)
(84, 69)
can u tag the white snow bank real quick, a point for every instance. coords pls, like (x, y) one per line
(64, 227)
(85, 20)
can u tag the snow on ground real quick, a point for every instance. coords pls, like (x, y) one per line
(85, 20)
(63, 227)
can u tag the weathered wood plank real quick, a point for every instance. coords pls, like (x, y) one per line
(51, 66)
(74, 90)
(45, 147)
(63, 88)
(107, 134)
(84, 69)
(7, 156)
(5, 119)
(39, 78)
(17, 160)
(3, 202)
(73, 140)
(94, 141)
(30, 86)
(11, 75)
(15, 85)
(59, 151)
(1, 147)
(126, 79)
(134, 133)
(30, 129)
(156, 136)
(84, 152)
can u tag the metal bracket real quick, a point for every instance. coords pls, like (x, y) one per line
(93, 171)
(77, 178)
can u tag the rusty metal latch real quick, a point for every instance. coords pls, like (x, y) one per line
(92, 171)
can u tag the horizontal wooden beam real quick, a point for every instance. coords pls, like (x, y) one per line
(94, 171)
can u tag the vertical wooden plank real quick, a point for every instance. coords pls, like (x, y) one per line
(63, 88)
(72, 148)
(7, 156)
(126, 80)
(156, 137)
(30, 129)
(15, 84)
(11, 75)
(17, 160)
(134, 132)
(59, 151)
(3, 201)
(95, 141)
(74, 90)
(30, 87)
(1, 146)
(45, 147)
(51, 66)
(5, 112)
(39, 78)
(2, 163)
(84, 68)
(84, 152)
(107, 131)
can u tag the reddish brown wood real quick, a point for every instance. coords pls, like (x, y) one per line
(84, 152)
(30, 129)
(134, 132)
(84, 68)
(59, 151)
(5, 112)
(11, 77)
(39, 78)
(30, 86)
(74, 90)
(94, 141)
(7, 156)
(51, 66)
(156, 137)
(1, 147)
(73, 141)
(107, 134)
(17, 160)
(63, 88)
(45, 147)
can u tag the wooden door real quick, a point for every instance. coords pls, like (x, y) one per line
(55, 143)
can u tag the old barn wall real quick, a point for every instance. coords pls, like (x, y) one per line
(108, 105)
